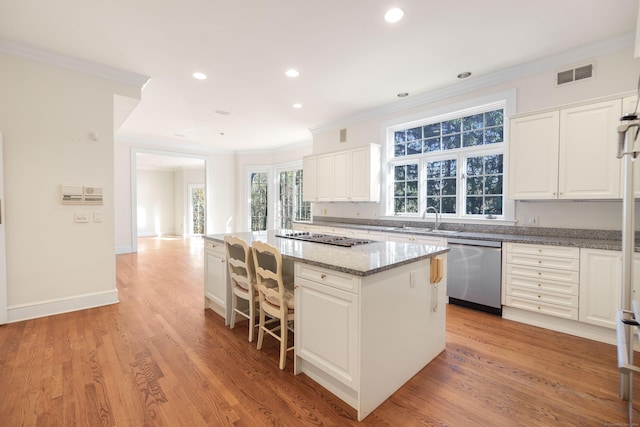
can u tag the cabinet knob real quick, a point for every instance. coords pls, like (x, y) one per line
(539, 273)
(222, 261)
(323, 276)
(539, 296)
(539, 262)
(539, 284)
(539, 308)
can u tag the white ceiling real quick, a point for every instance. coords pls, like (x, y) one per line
(349, 58)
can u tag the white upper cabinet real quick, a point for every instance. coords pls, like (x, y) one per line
(566, 154)
(343, 176)
(589, 168)
(533, 156)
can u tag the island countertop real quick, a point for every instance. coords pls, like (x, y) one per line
(359, 260)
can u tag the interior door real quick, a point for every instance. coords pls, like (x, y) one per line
(3, 254)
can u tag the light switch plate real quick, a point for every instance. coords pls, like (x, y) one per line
(97, 217)
(81, 216)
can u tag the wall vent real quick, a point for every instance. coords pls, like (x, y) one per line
(575, 74)
(343, 135)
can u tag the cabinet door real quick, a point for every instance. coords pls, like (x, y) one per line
(588, 166)
(327, 329)
(324, 180)
(600, 286)
(309, 179)
(361, 175)
(215, 279)
(533, 156)
(341, 176)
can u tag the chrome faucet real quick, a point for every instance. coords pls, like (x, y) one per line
(435, 211)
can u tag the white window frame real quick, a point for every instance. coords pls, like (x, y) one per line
(505, 100)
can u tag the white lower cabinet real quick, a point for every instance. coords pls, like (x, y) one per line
(215, 277)
(417, 238)
(601, 285)
(332, 343)
(544, 279)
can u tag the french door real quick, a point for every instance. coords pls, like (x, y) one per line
(3, 253)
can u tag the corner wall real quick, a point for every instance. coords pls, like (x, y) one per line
(54, 264)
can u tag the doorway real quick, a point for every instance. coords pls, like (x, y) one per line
(161, 194)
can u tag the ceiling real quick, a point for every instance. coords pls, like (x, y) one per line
(350, 60)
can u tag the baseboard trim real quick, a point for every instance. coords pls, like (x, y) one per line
(124, 250)
(17, 313)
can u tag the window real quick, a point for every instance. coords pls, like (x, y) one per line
(259, 200)
(290, 204)
(274, 196)
(453, 163)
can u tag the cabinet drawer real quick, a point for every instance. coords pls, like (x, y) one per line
(564, 300)
(565, 288)
(331, 278)
(210, 245)
(543, 273)
(549, 309)
(544, 261)
(365, 234)
(543, 250)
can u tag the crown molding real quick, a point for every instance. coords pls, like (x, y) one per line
(460, 88)
(72, 63)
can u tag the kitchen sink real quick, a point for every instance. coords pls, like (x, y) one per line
(422, 229)
(444, 231)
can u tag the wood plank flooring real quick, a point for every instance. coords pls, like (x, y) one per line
(158, 359)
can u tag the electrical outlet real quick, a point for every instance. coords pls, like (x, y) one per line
(531, 221)
(324, 212)
(97, 217)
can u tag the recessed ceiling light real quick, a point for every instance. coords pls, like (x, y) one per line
(292, 72)
(199, 76)
(464, 75)
(297, 105)
(394, 15)
(403, 94)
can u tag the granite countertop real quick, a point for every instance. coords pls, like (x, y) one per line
(359, 260)
(594, 239)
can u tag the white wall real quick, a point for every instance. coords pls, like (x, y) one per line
(615, 73)
(155, 207)
(46, 115)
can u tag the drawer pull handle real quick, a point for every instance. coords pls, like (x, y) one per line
(539, 273)
(539, 296)
(323, 276)
(539, 262)
(539, 308)
(539, 284)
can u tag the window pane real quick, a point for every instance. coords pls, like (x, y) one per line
(434, 202)
(451, 142)
(472, 122)
(474, 205)
(431, 130)
(473, 138)
(493, 184)
(449, 187)
(399, 189)
(448, 205)
(474, 185)
(494, 135)
(399, 173)
(449, 168)
(433, 169)
(412, 205)
(412, 189)
(493, 164)
(414, 134)
(431, 145)
(400, 136)
(433, 187)
(494, 118)
(259, 201)
(412, 172)
(474, 165)
(493, 205)
(414, 147)
(399, 150)
(451, 126)
(399, 205)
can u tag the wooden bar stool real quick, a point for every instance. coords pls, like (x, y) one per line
(243, 281)
(275, 298)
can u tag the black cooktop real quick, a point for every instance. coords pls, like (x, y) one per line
(327, 239)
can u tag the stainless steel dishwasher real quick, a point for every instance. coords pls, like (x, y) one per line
(474, 274)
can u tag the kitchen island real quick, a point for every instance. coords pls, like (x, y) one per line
(367, 317)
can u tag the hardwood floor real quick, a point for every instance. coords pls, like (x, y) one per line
(158, 359)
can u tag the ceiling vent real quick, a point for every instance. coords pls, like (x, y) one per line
(575, 74)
